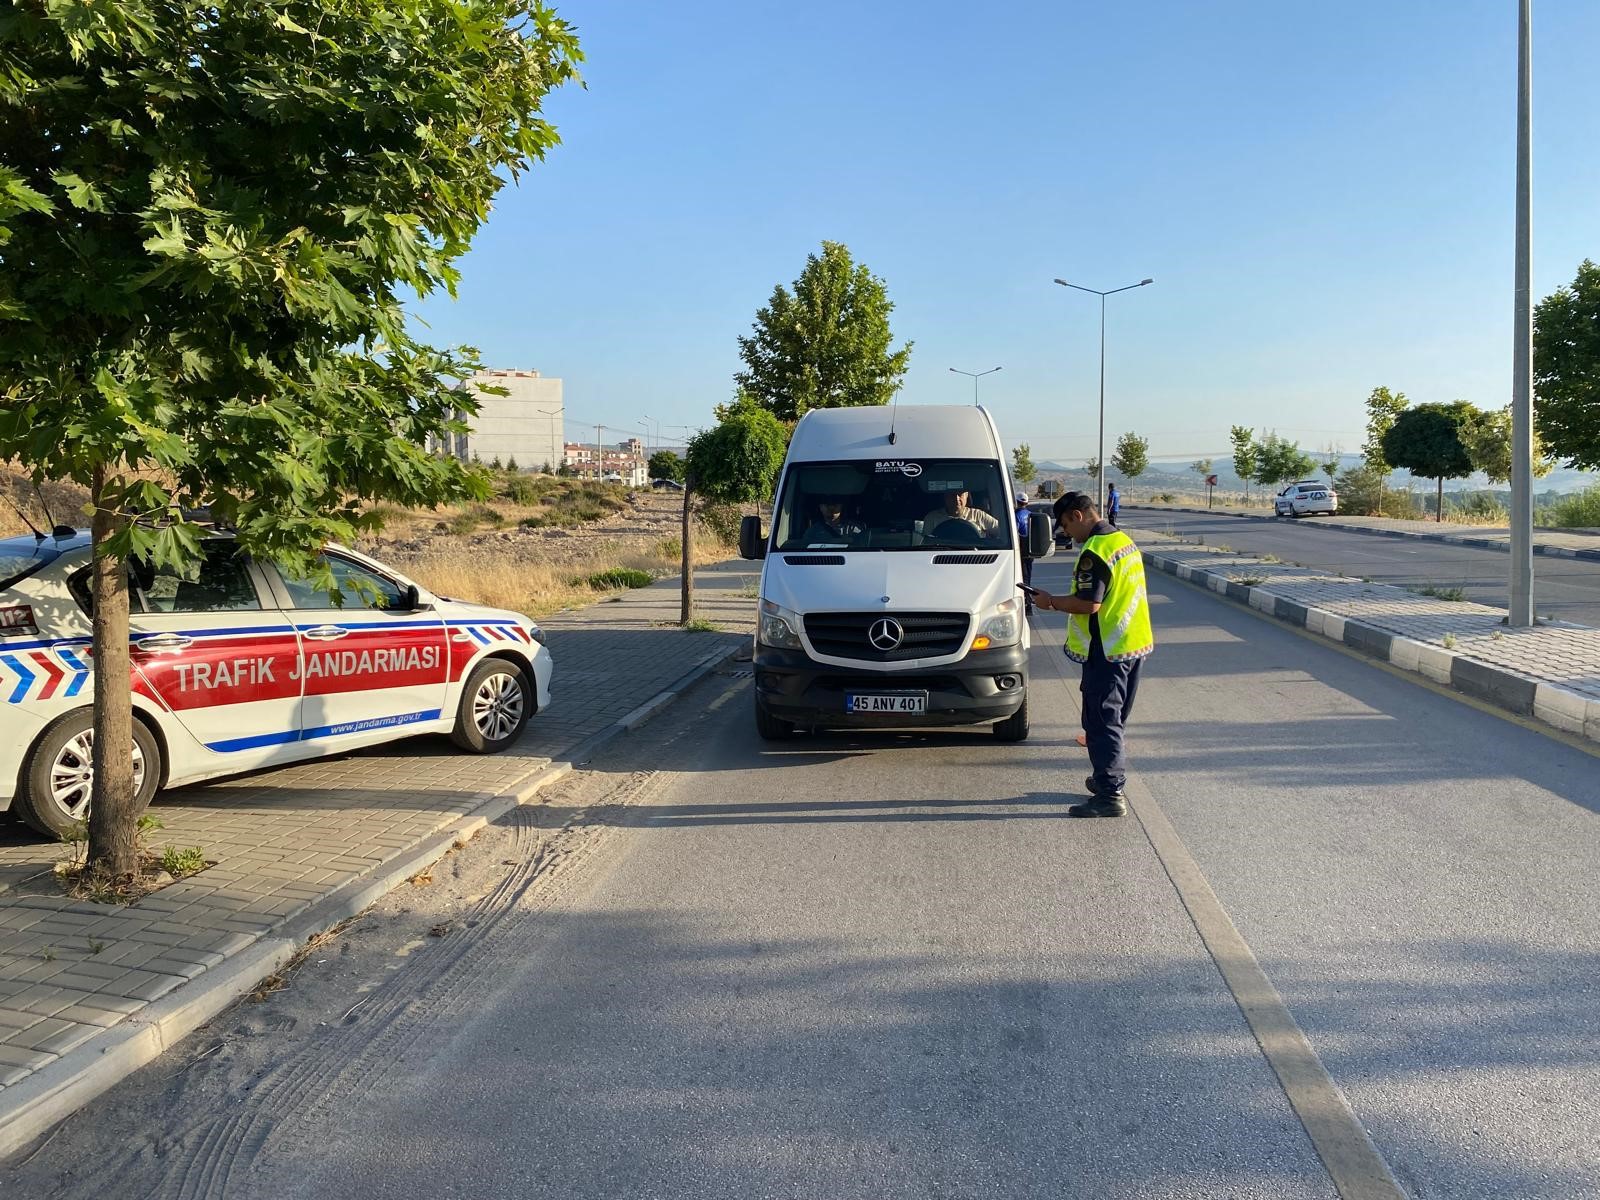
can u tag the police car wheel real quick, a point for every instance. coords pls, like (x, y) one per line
(495, 705)
(1015, 727)
(58, 779)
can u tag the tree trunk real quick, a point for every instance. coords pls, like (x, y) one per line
(1438, 511)
(686, 609)
(113, 812)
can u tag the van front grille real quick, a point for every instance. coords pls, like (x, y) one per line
(922, 635)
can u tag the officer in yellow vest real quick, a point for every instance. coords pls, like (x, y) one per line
(1108, 631)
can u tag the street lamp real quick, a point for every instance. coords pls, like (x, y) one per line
(656, 438)
(1100, 459)
(974, 376)
(1521, 613)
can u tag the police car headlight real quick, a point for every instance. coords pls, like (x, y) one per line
(537, 634)
(779, 627)
(1000, 626)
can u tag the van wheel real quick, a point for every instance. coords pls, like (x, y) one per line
(1015, 727)
(58, 777)
(769, 727)
(496, 702)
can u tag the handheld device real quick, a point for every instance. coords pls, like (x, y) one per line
(1032, 591)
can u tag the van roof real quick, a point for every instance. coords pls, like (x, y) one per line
(921, 431)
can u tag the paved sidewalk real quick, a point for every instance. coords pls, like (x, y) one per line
(1556, 543)
(1551, 671)
(285, 840)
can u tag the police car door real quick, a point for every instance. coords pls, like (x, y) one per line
(219, 655)
(369, 664)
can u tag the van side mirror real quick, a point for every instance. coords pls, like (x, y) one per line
(1040, 540)
(752, 542)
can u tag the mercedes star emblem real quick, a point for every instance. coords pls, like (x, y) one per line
(885, 634)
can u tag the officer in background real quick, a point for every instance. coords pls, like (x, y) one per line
(1113, 503)
(1108, 631)
(1022, 535)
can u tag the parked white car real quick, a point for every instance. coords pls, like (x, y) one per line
(245, 667)
(1305, 498)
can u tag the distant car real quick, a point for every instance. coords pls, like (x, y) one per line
(1305, 498)
(611, 477)
(242, 667)
(1046, 510)
(666, 485)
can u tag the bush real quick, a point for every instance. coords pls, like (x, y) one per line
(1581, 510)
(1359, 490)
(473, 516)
(617, 578)
(1476, 506)
(722, 522)
(521, 491)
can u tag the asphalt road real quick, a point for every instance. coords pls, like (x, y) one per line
(887, 967)
(1565, 588)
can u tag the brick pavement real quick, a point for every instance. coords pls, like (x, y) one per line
(1562, 655)
(284, 839)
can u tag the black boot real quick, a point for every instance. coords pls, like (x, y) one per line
(1100, 803)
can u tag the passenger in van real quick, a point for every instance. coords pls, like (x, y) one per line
(956, 508)
(830, 526)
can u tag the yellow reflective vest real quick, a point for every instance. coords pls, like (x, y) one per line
(1124, 614)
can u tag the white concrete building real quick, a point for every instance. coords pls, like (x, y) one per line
(525, 424)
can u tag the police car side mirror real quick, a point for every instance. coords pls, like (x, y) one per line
(1040, 540)
(410, 598)
(752, 542)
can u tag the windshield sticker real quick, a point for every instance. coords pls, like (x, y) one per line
(893, 465)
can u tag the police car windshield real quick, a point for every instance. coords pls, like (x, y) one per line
(21, 557)
(900, 504)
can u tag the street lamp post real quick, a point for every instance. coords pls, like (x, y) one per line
(656, 439)
(1521, 615)
(1100, 458)
(974, 376)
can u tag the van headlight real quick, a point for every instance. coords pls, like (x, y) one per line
(1000, 626)
(779, 627)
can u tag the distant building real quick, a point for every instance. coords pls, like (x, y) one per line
(523, 425)
(628, 460)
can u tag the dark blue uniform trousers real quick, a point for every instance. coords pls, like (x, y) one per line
(1108, 692)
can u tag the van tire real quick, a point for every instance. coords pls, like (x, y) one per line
(496, 702)
(37, 803)
(1015, 727)
(769, 727)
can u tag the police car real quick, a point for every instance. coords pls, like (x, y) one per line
(244, 667)
(1305, 498)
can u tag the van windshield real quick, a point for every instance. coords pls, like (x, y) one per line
(903, 504)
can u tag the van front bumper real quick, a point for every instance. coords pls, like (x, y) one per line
(796, 688)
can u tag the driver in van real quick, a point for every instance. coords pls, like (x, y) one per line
(829, 526)
(956, 508)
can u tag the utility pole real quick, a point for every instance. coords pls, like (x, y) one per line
(1521, 613)
(1100, 458)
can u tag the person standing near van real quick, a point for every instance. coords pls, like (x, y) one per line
(1113, 503)
(1022, 541)
(1109, 633)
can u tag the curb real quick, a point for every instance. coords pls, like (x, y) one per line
(1452, 539)
(32, 1105)
(1558, 707)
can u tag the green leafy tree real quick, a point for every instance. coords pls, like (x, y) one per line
(1383, 408)
(203, 282)
(1091, 468)
(1331, 455)
(1022, 463)
(1246, 455)
(664, 464)
(826, 344)
(511, 464)
(1566, 364)
(1279, 460)
(1201, 467)
(1487, 437)
(1132, 458)
(1426, 440)
(735, 462)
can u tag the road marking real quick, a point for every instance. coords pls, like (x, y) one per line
(1353, 1163)
(1422, 681)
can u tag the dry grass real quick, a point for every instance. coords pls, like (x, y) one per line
(512, 579)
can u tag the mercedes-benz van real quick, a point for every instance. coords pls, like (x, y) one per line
(889, 594)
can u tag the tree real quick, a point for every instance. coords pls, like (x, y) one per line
(824, 345)
(1383, 408)
(1279, 460)
(256, 190)
(1202, 468)
(664, 464)
(1566, 365)
(494, 464)
(1091, 468)
(1022, 463)
(735, 462)
(511, 464)
(1246, 455)
(1132, 457)
(1487, 438)
(1331, 457)
(1426, 440)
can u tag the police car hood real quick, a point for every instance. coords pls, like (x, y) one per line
(461, 610)
(890, 581)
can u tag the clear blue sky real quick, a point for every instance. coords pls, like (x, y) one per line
(1323, 194)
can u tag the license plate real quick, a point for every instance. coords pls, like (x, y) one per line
(886, 702)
